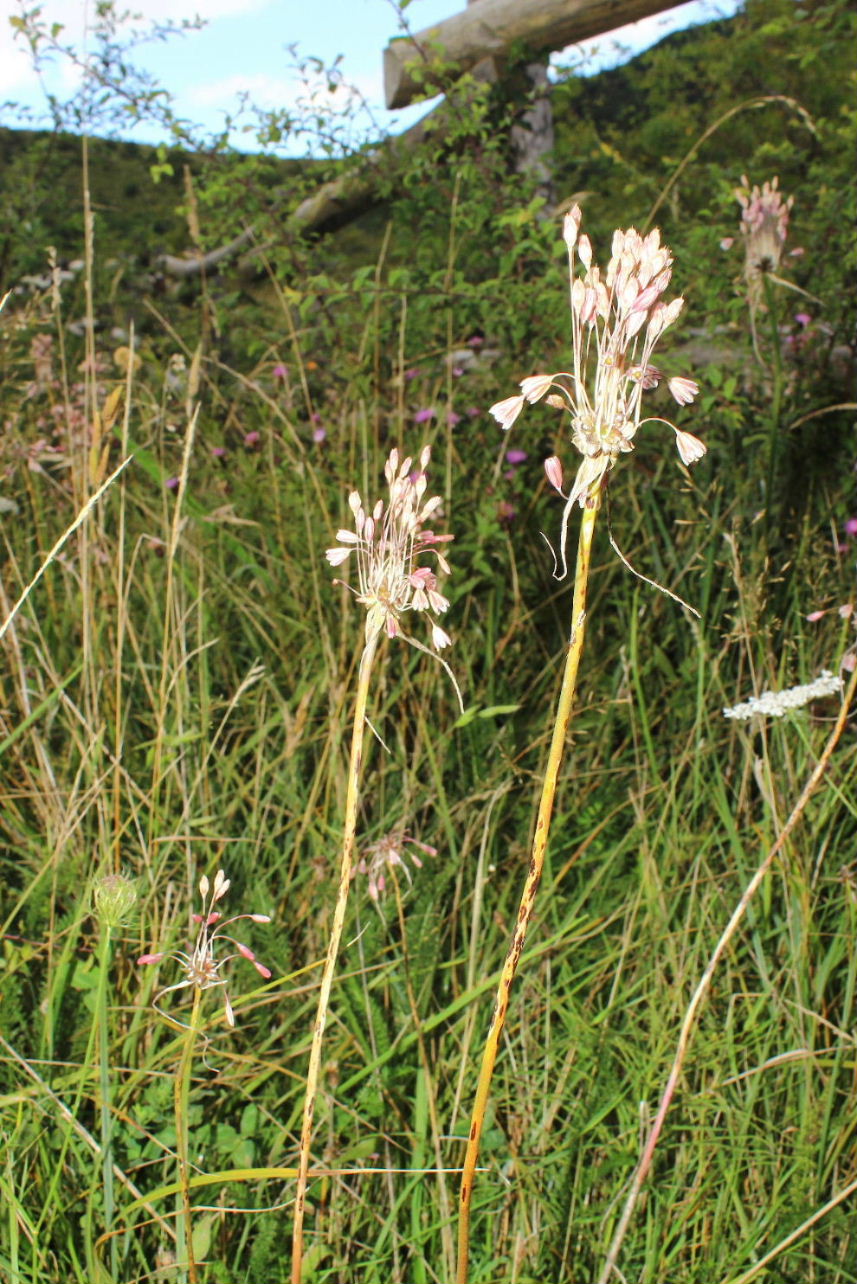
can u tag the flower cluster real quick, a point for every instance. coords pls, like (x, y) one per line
(113, 899)
(388, 853)
(617, 318)
(764, 227)
(387, 542)
(202, 970)
(773, 704)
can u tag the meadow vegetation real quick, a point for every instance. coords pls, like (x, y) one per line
(177, 693)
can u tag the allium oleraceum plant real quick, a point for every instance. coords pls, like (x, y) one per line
(201, 968)
(617, 319)
(390, 543)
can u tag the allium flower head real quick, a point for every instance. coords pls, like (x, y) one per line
(201, 968)
(389, 853)
(388, 541)
(617, 318)
(764, 227)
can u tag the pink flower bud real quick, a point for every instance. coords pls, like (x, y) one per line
(553, 472)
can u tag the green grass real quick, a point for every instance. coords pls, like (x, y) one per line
(175, 697)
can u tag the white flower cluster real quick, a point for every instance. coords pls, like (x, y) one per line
(773, 704)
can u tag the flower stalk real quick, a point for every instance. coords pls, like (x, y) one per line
(534, 874)
(181, 1100)
(387, 542)
(367, 660)
(202, 971)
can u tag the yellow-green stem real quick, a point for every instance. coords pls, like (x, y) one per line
(349, 833)
(181, 1097)
(528, 896)
(104, 1093)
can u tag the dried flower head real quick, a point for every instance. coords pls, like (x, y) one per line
(617, 318)
(389, 853)
(774, 704)
(764, 228)
(387, 541)
(201, 968)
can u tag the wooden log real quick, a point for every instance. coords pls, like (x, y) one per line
(488, 28)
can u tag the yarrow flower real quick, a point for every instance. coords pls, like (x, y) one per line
(617, 319)
(774, 704)
(387, 542)
(389, 853)
(202, 970)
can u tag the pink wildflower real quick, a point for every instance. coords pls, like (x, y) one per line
(252, 439)
(388, 853)
(506, 412)
(279, 371)
(387, 541)
(764, 227)
(423, 416)
(201, 968)
(850, 527)
(617, 318)
(218, 452)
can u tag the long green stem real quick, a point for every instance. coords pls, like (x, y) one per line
(181, 1091)
(104, 1092)
(774, 433)
(345, 868)
(528, 896)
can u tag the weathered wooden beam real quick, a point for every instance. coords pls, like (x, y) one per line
(488, 28)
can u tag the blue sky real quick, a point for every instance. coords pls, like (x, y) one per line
(244, 46)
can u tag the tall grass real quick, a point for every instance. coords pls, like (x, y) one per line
(176, 697)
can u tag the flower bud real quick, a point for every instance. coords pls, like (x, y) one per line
(113, 899)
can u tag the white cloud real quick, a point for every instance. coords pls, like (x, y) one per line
(263, 89)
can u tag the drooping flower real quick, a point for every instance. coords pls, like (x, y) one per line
(617, 319)
(386, 854)
(201, 968)
(388, 540)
